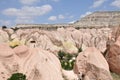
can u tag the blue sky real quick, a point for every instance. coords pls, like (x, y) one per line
(14, 12)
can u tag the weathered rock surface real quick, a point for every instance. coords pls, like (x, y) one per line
(35, 63)
(41, 65)
(69, 75)
(68, 40)
(92, 65)
(113, 56)
(3, 36)
(8, 62)
(99, 19)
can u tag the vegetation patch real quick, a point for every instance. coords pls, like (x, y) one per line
(67, 60)
(17, 76)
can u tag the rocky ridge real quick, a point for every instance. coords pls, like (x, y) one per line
(99, 19)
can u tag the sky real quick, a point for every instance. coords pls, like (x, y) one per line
(14, 12)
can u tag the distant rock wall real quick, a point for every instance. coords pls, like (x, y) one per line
(100, 19)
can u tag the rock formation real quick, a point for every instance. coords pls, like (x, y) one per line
(92, 65)
(3, 36)
(35, 63)
(68, 40)
(99, 19)
(113, 56)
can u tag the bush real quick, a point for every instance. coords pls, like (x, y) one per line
(67, 60)
(17, 76)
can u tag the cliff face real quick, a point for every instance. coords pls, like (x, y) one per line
(100, 19)
(95, 20)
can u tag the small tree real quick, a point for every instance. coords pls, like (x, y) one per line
(66, 59)
(4, 27)
(17, 76)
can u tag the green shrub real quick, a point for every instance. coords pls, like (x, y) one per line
(67, 60)
(17, 76)
(79, 50)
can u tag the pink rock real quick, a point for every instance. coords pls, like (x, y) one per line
(3, 36)
(86, 39)
(35, 63)
(77, 37)
(113, 56)
(55, 37)
(21, 51)
(38, 64)
(8, 62)
(5, 50)
(92, 64)
(47, 68)
(69, 75)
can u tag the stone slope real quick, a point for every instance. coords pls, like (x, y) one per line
(100, 19)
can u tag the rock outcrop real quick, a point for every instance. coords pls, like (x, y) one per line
(92, 65)
(3, 36)
(99, 19)
(69, 75)
(35, 63)
(113, 56)
(69, 40)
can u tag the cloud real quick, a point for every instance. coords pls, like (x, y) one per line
(52, 18)
(72, 22)
(58, 17)
(27, 13)
(61, 16)
(5, 22)
(31, 2)
(87, 13)
(97, 3)
(116, 3)
(28, 2)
